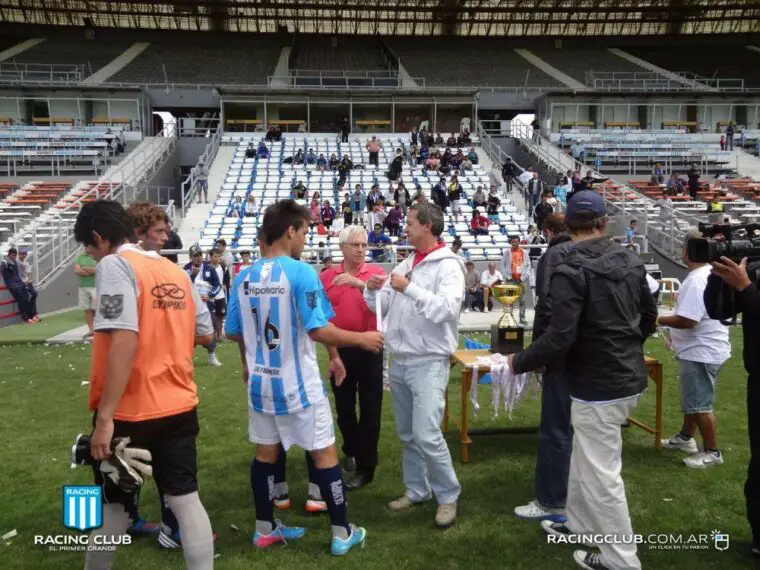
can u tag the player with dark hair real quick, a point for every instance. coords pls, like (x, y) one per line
(278, 311)
(148, 319)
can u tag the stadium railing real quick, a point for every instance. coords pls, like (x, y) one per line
(189, 186)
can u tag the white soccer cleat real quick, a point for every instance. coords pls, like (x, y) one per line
(213, 360)
(704, 460)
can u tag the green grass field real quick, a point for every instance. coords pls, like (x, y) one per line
(44, 406)
(49, 327)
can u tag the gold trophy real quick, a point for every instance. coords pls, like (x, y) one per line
(506, 336)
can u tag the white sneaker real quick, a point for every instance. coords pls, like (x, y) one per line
(213, 360)
(535, 512)
(467, 310)
(678, 442)
(486, 310)
(704, 459)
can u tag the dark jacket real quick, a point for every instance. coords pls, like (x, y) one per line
(602, 312)
(722, 302)
(541, 211)
(11, 275)
(208, 274)
(555, 253)
(173, 242)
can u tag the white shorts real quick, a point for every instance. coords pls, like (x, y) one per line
(310, 429)
(455, 207)
(87, 298)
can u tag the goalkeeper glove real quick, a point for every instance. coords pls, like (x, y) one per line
(126, 467)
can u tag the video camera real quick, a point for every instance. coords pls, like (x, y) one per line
(736, 242)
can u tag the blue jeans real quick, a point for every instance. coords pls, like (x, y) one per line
(555, 442)
(418, 393)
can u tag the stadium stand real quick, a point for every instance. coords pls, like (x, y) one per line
(577, 62)
(471, 62)
(348, 54)
(735, 62)
(7, 41)
(269, 180)
(185, 58)
(92, 54)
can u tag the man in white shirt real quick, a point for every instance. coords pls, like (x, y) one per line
(701, 345)
(526, 176)
(489, 278)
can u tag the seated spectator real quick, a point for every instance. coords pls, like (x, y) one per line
(456, 159)
(250, 152)
(263, 151)
(479, 198)
(393, 219)
(299, 191)
(235, 209)
(493, 205)
(488, 280)
(251, 207)
(473, 293)
(446, 159)
(433, 163)
(658, 175)
(273, 135)
(310, 158)
(438, 141)
(675, 185)
(378, 238)
(315, 211)
(298, 158)
(464, 139)
(334, 162)
(322, 162)
(323, 252)
(328, 214)
(478, 224)
(466, 164)
(472, 156)
(451, 141)
(15, 284)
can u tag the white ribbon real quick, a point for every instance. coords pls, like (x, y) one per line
(474, 391)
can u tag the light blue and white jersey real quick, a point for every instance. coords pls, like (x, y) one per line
(273, 306)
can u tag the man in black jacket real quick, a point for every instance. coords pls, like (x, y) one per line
(602, 312)
(729, 292)
(554, 436)
(508, 173)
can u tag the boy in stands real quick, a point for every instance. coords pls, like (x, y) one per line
(278, 311)
(148, 319)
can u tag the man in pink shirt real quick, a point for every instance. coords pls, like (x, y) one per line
(344, 285)
(373, 148)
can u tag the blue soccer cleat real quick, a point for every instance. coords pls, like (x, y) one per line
(280, 534)
(141, 527)
(357, 536)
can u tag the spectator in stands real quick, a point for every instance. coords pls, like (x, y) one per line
(451, 141)
(494, 177)
(393, 219)
(508, 172)
(263, 151)
(402, 198)
(464, 139)
(344, 168)
(526, 176)
(25, 273)
(396, 166)
(414, 156)
(730, 130)
(658, 175)
(205, 279)
(373, 148)
(298, 157)
(439, 194)
(357, 204)
(235, 209)
(488, 280)
(493, 203)
(516, 268)
(311, 157)
(250, 151)
(419, 197)
(414, 136)
(701, 345)
(666, 209)
(433, 162)
(722, 142)
(631, 234)
(299, 191)
(201, 182)
(457, 159)
(533, 192)
(535, 237)
(693, 184)
(345, 130)
(472, 156)
(323, 252)
(328, 214)
(424, 154)
(536, 125)
(478, 224)
(378, 238)
(245, 261)
(347, 210)
(402, 246)
(272, 135)
(378, 214)
(15, 284)
(84, 267)
(454, 191)
(315, 210)
(438, 141)
(542, 211)
(251, 207)
(334, 162)
(479, 198)
(456, 247)
(473, 293)
(373, 197)
(390, 194)
(173, 241)
(321, 163)
(674, 185)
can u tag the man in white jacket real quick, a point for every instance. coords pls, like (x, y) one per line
(422, 299)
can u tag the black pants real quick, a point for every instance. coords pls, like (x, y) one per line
(364, 374)
(373, 158)
(344, 136)
(752, 486)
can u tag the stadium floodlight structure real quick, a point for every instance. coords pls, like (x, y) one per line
(487, 18)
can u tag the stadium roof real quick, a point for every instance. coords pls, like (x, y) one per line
(495, 18)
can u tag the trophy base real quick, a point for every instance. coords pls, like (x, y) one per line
(507, 340)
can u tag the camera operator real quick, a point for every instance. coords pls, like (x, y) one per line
(729, 292)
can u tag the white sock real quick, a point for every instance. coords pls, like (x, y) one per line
(195, 529)
(314, 492)
(281, 490)
(115, 523)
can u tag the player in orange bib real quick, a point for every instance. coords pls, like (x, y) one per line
(149, 318)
